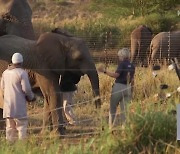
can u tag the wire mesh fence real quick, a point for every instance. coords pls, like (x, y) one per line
(105, 47)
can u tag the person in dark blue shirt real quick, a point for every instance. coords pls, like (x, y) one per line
(122, 88)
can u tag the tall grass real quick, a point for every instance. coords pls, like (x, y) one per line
(105, 23)
(108, 32)
(150, 126)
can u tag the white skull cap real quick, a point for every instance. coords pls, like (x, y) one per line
(17, 58)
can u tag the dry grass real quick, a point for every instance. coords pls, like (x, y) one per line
(145, 89)
(145, 109)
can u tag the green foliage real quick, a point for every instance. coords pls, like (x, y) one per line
(137, 7)
(153, 127)
(117, 19)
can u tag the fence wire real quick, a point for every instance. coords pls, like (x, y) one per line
(79, 121)
(104, 48)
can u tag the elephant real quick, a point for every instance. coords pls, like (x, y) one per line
(15, 18)
(45, 60)
(165, 45)
(62, 32)
(140, 41)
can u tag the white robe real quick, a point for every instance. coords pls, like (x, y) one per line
(16, 87)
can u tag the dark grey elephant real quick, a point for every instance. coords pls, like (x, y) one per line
(165, 45)
(140, 41)
(47, 59)
(15, 18)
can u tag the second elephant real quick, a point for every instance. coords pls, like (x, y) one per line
(140, 41)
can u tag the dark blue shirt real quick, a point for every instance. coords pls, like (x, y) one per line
(126, 72)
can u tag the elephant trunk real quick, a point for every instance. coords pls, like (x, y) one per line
(94, 79)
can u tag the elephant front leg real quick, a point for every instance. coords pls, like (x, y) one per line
(53, 105)
(56, 108)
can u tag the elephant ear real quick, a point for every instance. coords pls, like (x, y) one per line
(71, 46)
(74, 53)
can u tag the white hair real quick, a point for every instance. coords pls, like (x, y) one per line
(124, 53)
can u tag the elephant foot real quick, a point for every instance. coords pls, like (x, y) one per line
(58, 132)
(55, 132)
(62, 130)
(98, 104)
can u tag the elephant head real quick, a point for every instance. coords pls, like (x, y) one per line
(69, 53)
(15, 18)
(140, 41)
(79, 58)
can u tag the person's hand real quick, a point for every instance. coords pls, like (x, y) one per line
(101, 69)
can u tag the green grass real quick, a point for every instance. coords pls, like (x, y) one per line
(109, 31)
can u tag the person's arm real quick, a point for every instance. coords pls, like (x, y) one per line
(26, 87)
(111, 74)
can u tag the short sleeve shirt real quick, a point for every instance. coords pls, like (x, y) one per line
(126, 72)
